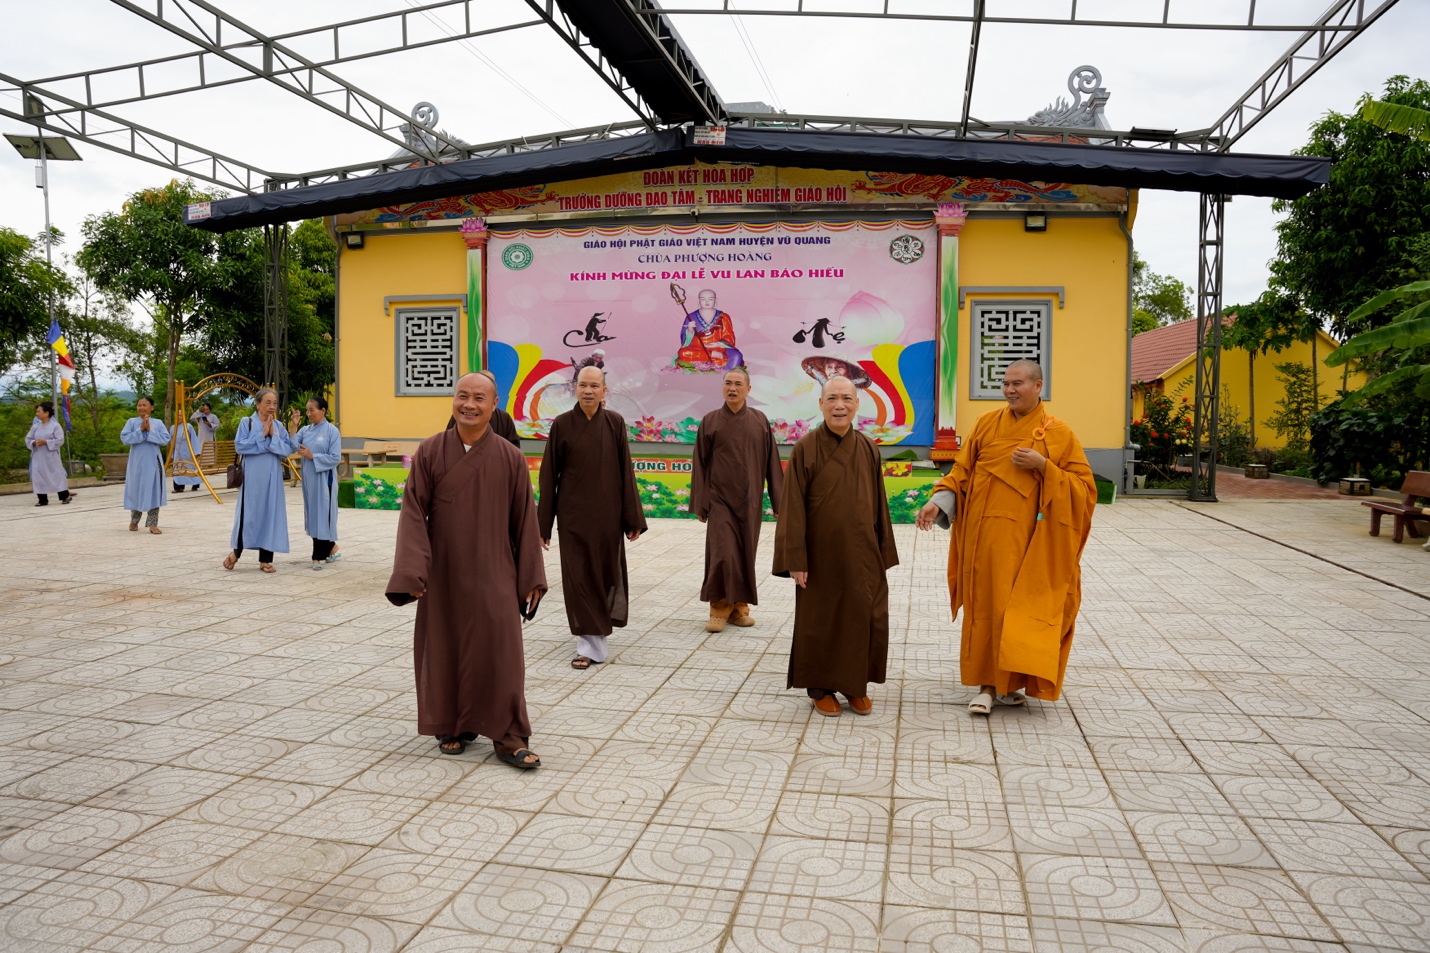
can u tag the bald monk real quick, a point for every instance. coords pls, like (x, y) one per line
(502, 425)
(589, 489)
(735, 458)
(1021, 497)
(834, 539)
(468, 552)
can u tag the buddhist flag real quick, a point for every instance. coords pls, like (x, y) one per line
(56, 340)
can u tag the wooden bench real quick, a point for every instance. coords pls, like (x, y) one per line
(1405, 513)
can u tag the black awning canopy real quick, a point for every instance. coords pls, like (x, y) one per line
(1175, 170)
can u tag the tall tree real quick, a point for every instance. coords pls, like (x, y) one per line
(145, 251)
(1346, 242)
(1156, 299)
(27, 284)
(234, 337)
(99, 332)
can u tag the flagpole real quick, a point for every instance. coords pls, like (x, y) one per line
(50, 294)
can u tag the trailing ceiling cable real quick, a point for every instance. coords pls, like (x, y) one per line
(492, 65)
(759, 64)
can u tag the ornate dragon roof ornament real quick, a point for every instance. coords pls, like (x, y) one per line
(1077, 114)
(418, 134)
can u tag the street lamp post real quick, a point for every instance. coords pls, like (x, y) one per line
(44, 148)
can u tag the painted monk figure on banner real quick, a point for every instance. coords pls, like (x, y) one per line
(469, 554)
(1020, 498)
(835, 540)
(589, 493)
(707, 336)
(735, 458)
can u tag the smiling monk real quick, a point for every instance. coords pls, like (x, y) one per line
(834, 539)
(1021, 497)
(468, 553)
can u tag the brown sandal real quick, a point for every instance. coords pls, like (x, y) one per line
(156, 531)
(230, 561)
(581, 663)
(267, 567)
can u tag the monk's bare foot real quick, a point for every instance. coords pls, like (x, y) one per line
(581, 662)
(230, 561)
(451, 745)
(861, 705)
(267, 567)
(828, 706)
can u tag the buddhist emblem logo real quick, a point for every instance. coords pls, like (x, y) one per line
(906, 249)
(518, 256)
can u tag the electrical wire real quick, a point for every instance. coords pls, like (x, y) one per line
(491, 64)
(755, 59)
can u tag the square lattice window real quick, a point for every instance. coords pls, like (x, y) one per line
(1004, 332)
(428, 344)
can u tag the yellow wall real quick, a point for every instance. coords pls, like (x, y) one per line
(1088, 256)
(1236, 375)
(409, 262)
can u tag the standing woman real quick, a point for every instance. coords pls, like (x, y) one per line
(321, 447)
(261, 520)
(47, 471)
(144, 489)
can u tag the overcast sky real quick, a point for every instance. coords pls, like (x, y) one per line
(527, 81)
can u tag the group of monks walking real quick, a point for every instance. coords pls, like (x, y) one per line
(470, 539)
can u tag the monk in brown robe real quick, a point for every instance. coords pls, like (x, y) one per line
(502, 425)
(1021, 496)
(834, 539)
(735, 458)
(469, 554)
(588, 487)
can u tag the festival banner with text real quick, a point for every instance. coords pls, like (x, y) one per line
(666, 310)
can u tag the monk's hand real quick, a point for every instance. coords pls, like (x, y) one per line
(927, 515)
(701, 518)
(800, 578)
(546, 545)
(1026, 458)
(633, 535)
(418, 594)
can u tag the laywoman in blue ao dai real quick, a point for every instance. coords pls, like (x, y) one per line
(321, 447)
(260, 521)
(144, 485)
(47, 470)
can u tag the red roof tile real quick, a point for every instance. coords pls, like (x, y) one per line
(1157, 351)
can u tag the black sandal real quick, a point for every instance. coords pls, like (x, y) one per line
(581, 663)
(443, 743)
(515, 759)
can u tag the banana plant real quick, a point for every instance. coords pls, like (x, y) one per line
(1407, 332)
(1394, 117)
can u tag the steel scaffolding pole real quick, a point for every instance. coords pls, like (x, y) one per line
(275, 309)
(1208, 364)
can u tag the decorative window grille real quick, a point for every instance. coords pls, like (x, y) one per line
(1008, 331)
(428, 343)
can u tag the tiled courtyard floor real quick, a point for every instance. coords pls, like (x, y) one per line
(196, 760)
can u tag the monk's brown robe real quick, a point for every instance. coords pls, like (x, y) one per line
(735, 457)
(589, 490)
(1013, 558)
(834, 524)
(467, 535)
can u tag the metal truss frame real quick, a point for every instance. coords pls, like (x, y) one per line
(219, 36)
(275, 309)
(203, 24)
(152, 79)
(1207, 405)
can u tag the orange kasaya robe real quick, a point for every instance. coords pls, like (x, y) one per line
(1013, 558)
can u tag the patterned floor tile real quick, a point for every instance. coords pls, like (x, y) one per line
(1250, 901)
(922, 930)
(782, 923)
(658, 918)
(1095, 888)
(520, 904)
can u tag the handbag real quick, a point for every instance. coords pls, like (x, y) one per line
(233, 477)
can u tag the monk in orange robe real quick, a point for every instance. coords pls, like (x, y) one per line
(1020, 496)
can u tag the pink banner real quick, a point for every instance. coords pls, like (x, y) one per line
(666, 310)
